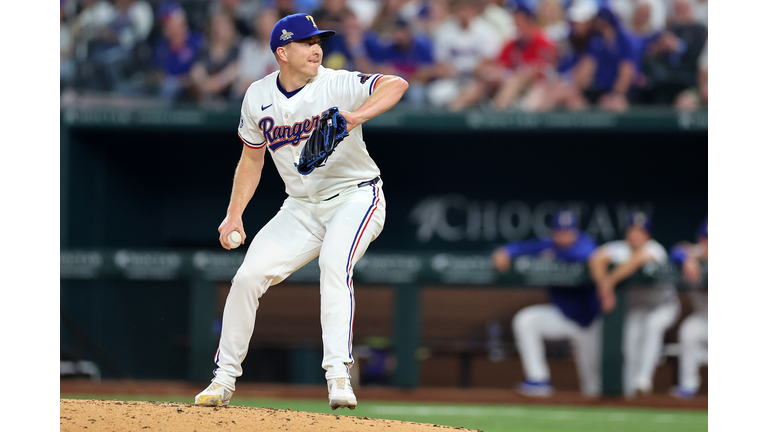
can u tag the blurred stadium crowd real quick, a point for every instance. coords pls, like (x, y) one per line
(530, 55)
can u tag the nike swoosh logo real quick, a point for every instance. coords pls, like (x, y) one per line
(265, 107)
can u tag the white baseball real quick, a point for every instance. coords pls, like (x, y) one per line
(235, 239)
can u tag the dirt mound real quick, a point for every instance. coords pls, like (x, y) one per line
(102, 415)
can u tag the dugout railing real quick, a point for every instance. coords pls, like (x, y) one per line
(406, 273)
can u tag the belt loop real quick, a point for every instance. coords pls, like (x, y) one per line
(369, 182)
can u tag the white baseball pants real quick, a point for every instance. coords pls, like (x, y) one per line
(535, 324)
(692, 336)
(339, 231)
(643, 338)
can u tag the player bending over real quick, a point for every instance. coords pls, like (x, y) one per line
(334, 212)
(573, 314)
(652, 310)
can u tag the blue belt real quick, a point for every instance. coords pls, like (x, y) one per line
(363, 184)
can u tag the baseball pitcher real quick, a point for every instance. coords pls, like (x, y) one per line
(335, 205)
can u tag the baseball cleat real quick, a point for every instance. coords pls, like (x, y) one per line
(535, 388)
(340, 394)
(683, 393)
(215, 395)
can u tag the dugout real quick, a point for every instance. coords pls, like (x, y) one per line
(159, 179)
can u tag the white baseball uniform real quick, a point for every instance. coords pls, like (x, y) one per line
(334, 213)
(651, 312)
(693, 336)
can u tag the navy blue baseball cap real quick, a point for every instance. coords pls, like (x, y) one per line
(703, 229)
(640, 219)
(524, 7)
(564, 220)
(295, 27)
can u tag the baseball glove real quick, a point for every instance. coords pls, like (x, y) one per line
(330, 130)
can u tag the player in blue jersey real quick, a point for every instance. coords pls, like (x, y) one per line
(693, 333)
(574, 312)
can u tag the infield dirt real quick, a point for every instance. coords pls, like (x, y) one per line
(102, 415)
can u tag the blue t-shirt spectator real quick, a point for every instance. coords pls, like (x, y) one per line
(609, 56)
(405, 59)
(579, 304)
(179, 61)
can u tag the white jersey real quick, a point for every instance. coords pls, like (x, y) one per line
(283, 122)
(620, 252)
(466, 48)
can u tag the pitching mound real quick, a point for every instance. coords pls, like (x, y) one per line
(101, 415)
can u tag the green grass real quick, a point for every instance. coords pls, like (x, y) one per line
(489, 417)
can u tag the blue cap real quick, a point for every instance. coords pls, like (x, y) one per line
(606, 14)
(295, 27)
(640, 219)
(522, 6)
(564, 220)
(703, 230)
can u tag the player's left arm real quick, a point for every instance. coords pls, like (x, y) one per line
(627, 269)
(386, 93)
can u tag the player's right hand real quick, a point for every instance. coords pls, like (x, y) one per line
(691, 271)
(229, 224)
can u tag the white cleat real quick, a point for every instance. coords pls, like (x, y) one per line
(215, 395)
(340, 394)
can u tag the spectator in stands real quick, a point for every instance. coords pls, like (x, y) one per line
(240, 11)
(365, 11)
(573, 314)
(175, 54)
(626, 10)
(549, 16)
(334, 14)
(416, 12)
(652, 310)
(331, 14)
(387, 16)
(521, 65)
(67, 49)
(604, 73)
(671, 64)
(407, 55)
(85, 28)
(643, 33)
(693, 333)
(461, 44)
(438, 12)
(255, 59)
(284, 8)
(498, 16)
(113, 49)
(641, 27)
(92, 20)
(350, 46)
(695, 98)
(581, 18)
(215, 70)
(701, 12)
